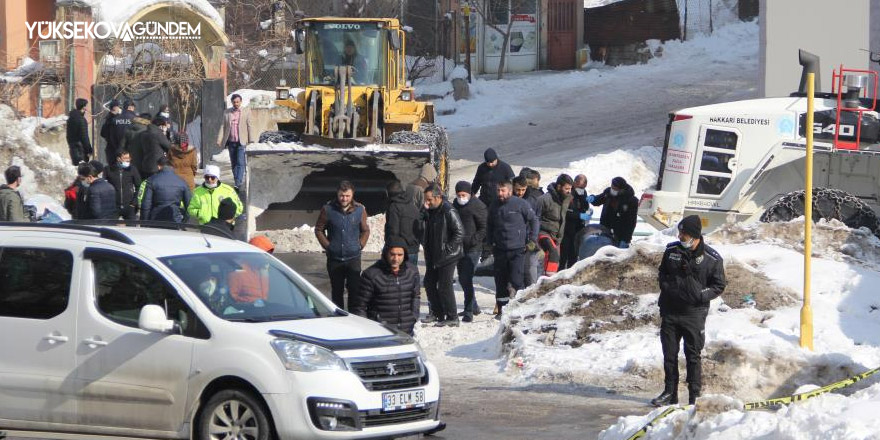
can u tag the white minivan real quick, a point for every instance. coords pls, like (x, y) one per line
(158, 333)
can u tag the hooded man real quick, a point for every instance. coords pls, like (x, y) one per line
(403, 221)
(620, 211)
(206, 198)
(691, 275)
(473, 216)
(489, 174)
(551, 214)
(11, 203)
(78, 133)
(391, 289)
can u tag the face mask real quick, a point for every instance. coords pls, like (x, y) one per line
(579, 191)
(124, 164)
(208, 287)
(687, 244)
(165, 115)
(211, 185)
(463, 200)
(614, 192)
(85, 184)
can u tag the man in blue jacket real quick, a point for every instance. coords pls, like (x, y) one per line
(512, 230)
(166, 196)
(100, 194)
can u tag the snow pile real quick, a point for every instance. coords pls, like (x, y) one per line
(116, 11)
(302, 239)
(823, 417)
(44, 171)
(596, 323)
(495, 102)
(638, 166)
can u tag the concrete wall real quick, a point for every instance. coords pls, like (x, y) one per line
(835, 31)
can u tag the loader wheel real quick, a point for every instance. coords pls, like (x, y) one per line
(436, 138)
(828, 204)
(277, 137)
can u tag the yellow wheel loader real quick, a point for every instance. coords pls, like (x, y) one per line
(357, 119)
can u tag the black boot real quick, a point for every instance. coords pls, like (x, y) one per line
(668, 397)
(692, 396)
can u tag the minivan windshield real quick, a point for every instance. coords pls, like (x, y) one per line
(247, 286)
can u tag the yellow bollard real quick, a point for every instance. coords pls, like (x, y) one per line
(806, 310)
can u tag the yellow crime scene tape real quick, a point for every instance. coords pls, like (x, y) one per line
(769, 403)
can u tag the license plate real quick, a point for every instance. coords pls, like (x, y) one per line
(403, 400)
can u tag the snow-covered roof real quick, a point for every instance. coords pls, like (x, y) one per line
(598, 3)
(118, 11)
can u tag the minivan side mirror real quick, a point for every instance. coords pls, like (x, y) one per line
(153, 319)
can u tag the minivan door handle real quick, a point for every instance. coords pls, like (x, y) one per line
(95, 343)
(56, 338)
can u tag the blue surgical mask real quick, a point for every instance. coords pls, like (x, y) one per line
(124, 164)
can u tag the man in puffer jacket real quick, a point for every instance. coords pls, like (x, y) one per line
(100, 194)
(164, 195)
(207, 197)
(390, 289)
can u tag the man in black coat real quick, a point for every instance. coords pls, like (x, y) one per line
(620, 212)
(473, 216)
(125, 180)
(691, 275)
(403, 221)
(100, 195)
(524, 190)
(489, 174)
(154, 145)
(224, 223)
(113, 130)
(390, 289)
(130, 140)
(78, 133)
(166, 196)
(576, 219)
(443, 248)
(512, 229)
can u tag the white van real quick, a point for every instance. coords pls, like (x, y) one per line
(156, 333)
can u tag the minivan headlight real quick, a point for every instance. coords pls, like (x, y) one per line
(302, 356)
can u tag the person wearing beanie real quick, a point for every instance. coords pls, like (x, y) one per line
(491, 172)
(620, 212)
(390, 289)
(78, 143)
(691, 275)
(225, 219)
(415, 191)
(113, 129)
(474, 215)
(403, 221)
(207, 197)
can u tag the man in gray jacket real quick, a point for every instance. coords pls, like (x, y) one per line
(552, 208)
(11, 204)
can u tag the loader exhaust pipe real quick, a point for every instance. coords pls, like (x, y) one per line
(810, 64)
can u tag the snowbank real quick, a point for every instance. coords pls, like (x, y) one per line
(638, 166)
(302, 239)
(494, 102)
(44, 171)
(597, 322)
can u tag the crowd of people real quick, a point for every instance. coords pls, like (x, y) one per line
(499, 218)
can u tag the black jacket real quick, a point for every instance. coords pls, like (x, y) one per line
(689, 279)
(388, 297)
(474, 216)
(154, 145)
(131, 141)
(221, 225)
(532, 196)
(125, 181)
(511, 224)
(113, 131)
(578, 206)
(101, 200)
(620, 212)
(81, 207)
(163, 197)
(443, 236)
(78, 132)
(552, 207)
(486, 180)
(404, 221)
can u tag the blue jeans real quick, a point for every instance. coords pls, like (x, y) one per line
(236, 155)
(466, 278)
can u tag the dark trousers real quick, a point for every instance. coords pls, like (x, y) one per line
(508, 274)
(128, 212)
(674, 328)
(466, 268)
(438, 286)
(344, 274)
(237, 157)
(551, 253)
(76, 154)
(568, 254)
(412, 256)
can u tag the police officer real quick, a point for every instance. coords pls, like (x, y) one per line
(691, 275)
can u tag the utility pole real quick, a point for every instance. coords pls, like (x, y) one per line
(467, 39)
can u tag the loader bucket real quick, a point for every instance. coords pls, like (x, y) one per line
(287, 184)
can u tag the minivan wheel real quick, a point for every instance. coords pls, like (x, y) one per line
(234, 415)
